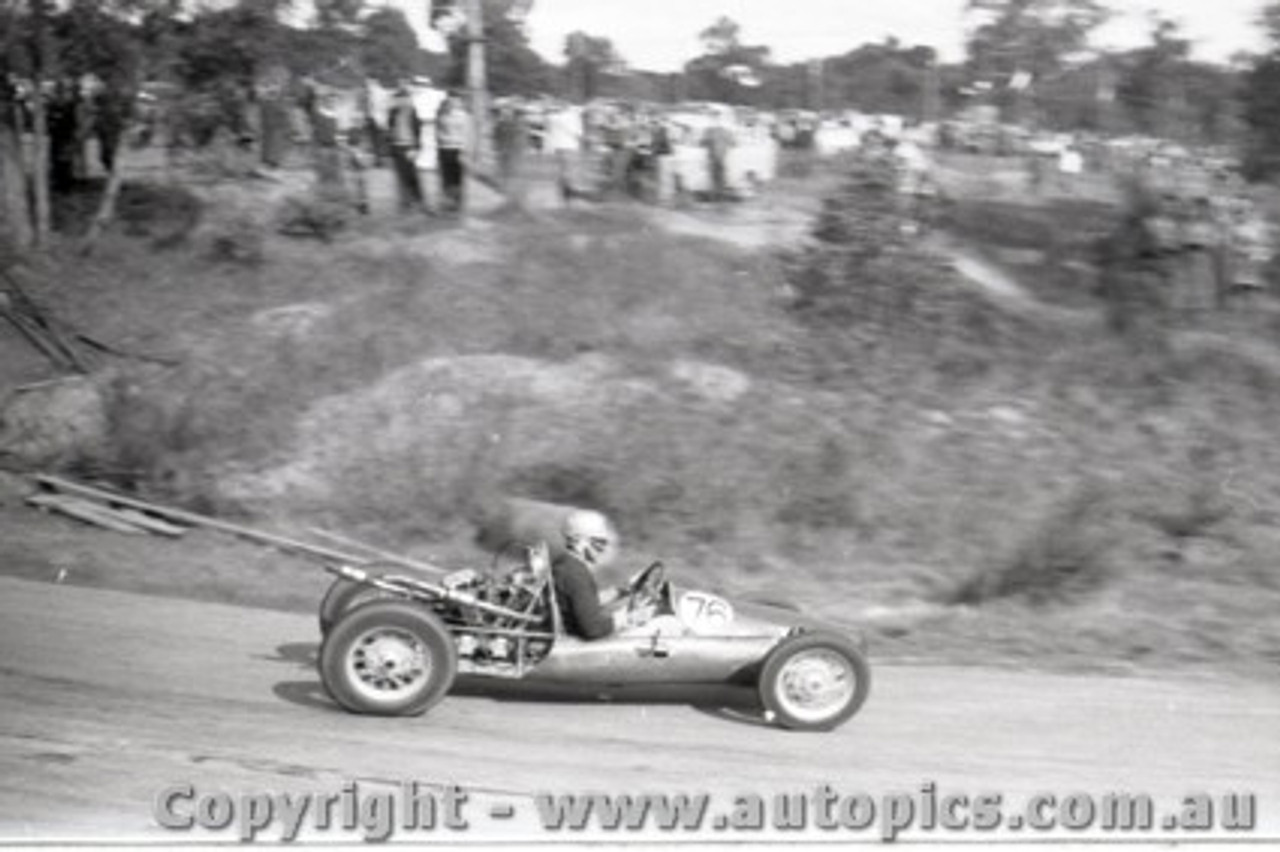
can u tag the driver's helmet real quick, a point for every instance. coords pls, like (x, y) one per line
(590, 537)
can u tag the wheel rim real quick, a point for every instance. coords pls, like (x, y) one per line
(387, 664)
(815, 685)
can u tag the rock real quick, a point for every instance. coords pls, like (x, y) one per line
(1007, 414)
(534, 414)
(712, 382)
(47, 424)
(941, 419)
(290, 320)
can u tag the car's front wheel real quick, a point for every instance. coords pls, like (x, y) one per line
(814, 682)
(388, 658)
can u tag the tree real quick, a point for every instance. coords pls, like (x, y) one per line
(514, 68)
(722, 37)
(880, 78)
(389, 48)
(1152, 88)
(1260, 99)
(17, 227)
(588, 59)
(93, 38)
(339, 13)
(727, 69)
(117, 41)
(230, 44)
(40, 56)
(1022, 41)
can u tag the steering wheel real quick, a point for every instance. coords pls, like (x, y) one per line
(645, 588)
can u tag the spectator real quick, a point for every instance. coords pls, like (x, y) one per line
(62, 117)
(372, 106)
(642, 166)
(324, 136)
(718, 140)
(510, 137)
(404, 127)
(1070, 167)
(110, 114)
(1195, 273)
(564, 140)
(615, 133)
(1250, 249)
(1132, 266)
(453, 140)
(275, 126)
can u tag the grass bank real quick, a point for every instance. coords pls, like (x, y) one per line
(843, 424)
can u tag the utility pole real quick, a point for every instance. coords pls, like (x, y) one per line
(477, 86)
(931, 93)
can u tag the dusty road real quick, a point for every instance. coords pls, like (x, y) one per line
(108, 698)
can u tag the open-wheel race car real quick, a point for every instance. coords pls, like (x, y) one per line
(394, 643)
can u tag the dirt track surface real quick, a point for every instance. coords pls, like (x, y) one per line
(106, 698)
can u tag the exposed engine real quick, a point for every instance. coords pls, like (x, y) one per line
(490, 640)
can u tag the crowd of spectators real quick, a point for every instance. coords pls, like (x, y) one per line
(1200, 213)
(78, 111)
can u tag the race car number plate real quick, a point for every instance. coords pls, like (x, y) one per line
(704, 613)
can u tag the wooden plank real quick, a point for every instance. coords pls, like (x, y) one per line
(83, 511)
(63, 345)
(24, 312)
(132, 517)
(36, 338)
(148, 523)
(192, 519)
(46, 383)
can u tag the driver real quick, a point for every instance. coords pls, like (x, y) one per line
(590, 543)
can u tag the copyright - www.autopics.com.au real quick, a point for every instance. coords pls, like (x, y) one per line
(383, 811)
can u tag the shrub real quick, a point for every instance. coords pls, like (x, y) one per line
(820, 489)
(239, 242)
(321, 216)
(165, 213)
(1062, 557)
(883, 308)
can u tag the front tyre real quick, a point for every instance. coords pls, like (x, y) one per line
(388, 658)
(814, 682)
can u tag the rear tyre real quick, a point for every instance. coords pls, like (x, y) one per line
(343, 596)
(388, 658)
(814, 682)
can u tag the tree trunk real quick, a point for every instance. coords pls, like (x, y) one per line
(40, 157)
(107, 207)
(15, 212)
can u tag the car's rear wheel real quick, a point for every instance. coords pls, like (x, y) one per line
(814, 682)
(345, 595)
(388, 658)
